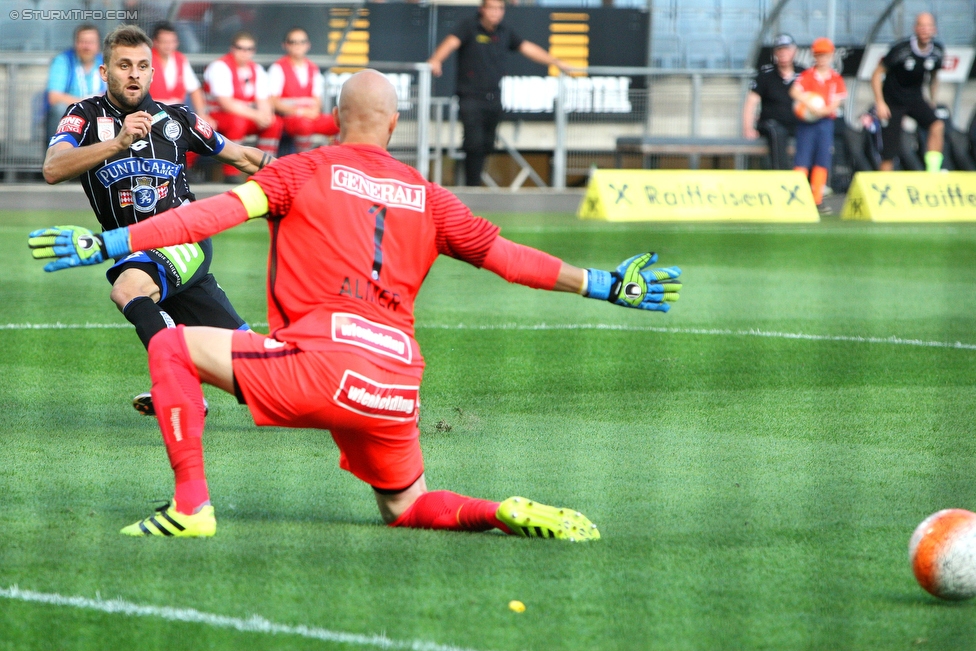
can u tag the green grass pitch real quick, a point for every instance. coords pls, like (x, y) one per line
(755, 489)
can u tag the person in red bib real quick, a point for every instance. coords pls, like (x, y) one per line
(354, 233)
(237, 90)
(173, 78)
(296, 92)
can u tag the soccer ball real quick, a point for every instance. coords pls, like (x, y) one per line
(943, 554)
(803, 112)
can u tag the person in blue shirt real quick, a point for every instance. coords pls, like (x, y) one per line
(73, 75)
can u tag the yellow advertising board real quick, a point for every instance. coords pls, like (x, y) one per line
(698, 195)
(911, 197)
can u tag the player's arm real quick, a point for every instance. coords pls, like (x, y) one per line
(877, 79)
(632, 284)
(247, 159)
(533, 52)
(66, 160)
(749, 115)
(444, 50)
(934, 87)
(74, 246)
(475, 240)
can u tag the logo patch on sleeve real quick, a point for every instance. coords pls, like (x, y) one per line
(381, 339)
(364, 396)
(72, 124)
(203, 127)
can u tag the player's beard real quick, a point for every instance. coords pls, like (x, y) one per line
(116, 90)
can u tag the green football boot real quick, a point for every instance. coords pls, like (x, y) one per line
(168, 522)
(533, 520)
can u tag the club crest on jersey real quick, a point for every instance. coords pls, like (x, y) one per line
(72, 124)
(125, 168)
(106, 128)
(172, 130)
(203, 127)
(390, 192)
(144, 195)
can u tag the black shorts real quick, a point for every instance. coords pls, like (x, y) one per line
(917, 109)
(188, 291)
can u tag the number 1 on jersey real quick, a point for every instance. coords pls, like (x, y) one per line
(380, 213)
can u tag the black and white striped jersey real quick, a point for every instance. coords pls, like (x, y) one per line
(149, 177)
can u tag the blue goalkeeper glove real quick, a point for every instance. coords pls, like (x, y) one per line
(632, 284)
(74, 246)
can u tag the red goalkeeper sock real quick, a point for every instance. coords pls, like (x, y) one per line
(447, 510)
(178, 400)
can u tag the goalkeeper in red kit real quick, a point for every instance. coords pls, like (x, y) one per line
(341, 355)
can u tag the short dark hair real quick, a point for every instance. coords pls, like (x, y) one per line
(162, 26)
(126, 36)
(242, 35)
(292, 30)
(85, 27)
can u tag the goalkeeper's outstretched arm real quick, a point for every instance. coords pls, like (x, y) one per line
(631, 284)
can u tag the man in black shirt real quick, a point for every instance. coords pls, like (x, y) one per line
(130, 154)
(904, 69)
(483, 42)
(771, 88)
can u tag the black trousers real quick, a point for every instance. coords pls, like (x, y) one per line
(778, 137)
(479, 115)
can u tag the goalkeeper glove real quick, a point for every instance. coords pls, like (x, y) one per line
(74, 246)
(632, 284)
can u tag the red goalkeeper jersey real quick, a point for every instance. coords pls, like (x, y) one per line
(353, 234)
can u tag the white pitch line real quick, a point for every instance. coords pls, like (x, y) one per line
(752, 332)
(253, 624)
(709, 331)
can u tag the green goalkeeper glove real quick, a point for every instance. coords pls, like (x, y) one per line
(632, 284)
(74, 246)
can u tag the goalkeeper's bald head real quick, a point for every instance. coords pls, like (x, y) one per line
(367, 110)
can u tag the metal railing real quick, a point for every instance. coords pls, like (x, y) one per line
(587, 114)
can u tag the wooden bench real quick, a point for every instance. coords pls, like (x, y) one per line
(692, 147)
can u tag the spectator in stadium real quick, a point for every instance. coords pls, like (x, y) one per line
(74, 74)
(173, 78)
(296, 87)
(482, 43)
(815, 138)
(341, 354)
(128, 150)
(897, 84)
(238, 92)
(770, 93)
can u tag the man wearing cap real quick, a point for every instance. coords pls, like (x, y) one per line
(771, 88)
(904, 69)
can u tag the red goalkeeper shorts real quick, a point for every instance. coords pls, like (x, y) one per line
(371, 412)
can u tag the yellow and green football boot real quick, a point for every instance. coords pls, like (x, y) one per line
(168, 522)
(533, 520)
